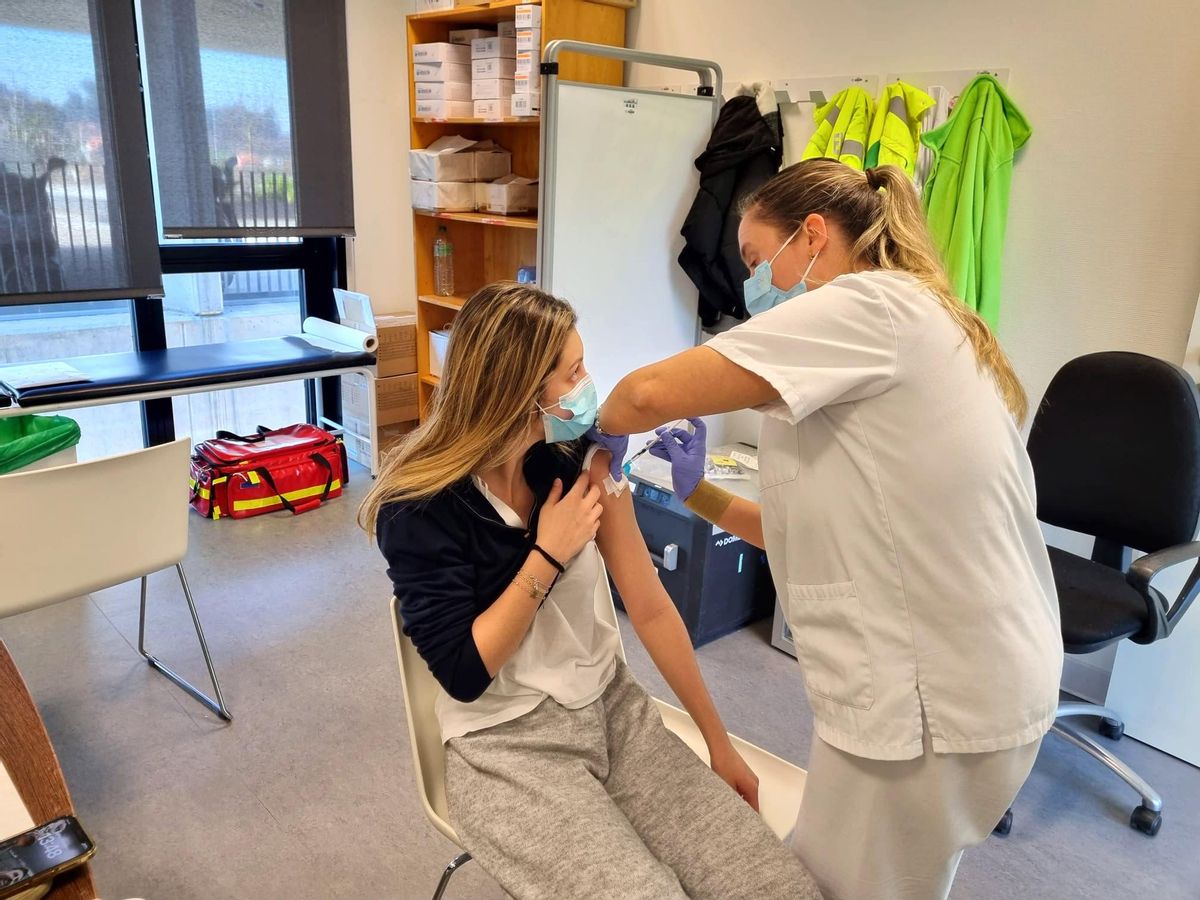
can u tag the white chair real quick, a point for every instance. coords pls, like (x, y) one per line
(781, 784)
(74, 529)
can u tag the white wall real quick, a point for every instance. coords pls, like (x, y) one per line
(1103, 249)
(381, 254)
(1103, 246)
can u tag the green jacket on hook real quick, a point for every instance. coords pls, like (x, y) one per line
(966, 194)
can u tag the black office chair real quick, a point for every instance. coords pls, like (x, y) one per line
(1116, 454)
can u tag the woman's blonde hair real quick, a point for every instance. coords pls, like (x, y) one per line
(505, 345)
(879, 211)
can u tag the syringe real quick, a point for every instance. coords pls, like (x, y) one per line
(627, 468)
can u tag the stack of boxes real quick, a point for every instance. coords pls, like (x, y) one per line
(527, 79)
(396, 405)
(446, 175)
(442, 80)
(493, 60)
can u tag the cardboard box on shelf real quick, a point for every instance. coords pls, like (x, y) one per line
(529, 40)
(527, 104)
(466, 35)
(528, 15)
(443, 90)
(444, 109)
(432, 5)
(442, 72)
(395, 399)
(442, 52)
(396, 353)
(439, 344)
(457, 158)
(492, 47)
(443, 196)
(510, 195)
(495, 67)
(507, 29)
(524, 63)
(497, 108)
(525, 84)
(397, 350)
(491, 88)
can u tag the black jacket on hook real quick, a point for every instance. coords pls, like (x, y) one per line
(743, 152)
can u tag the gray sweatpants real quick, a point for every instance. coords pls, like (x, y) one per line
(604, 802)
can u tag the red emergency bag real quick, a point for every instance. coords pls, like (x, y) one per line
(293, 468)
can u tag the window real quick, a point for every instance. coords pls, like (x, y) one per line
(213, 307)
(239, 232)
(56, 330)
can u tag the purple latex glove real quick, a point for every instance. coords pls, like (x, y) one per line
(616, 444)
(685, 452)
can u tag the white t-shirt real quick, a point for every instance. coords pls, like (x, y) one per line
(900, 523)
(569, 652)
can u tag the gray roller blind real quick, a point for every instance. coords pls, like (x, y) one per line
(249, 116)
(76, 206)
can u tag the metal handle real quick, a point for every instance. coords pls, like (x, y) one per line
(669, 561)
(709, 72)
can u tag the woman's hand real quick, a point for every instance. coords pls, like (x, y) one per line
(568, 521)
(733, 770)
(685, 452)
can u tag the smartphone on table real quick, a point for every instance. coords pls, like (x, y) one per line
(34, 857)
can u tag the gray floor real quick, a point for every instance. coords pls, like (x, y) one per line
(310, 792)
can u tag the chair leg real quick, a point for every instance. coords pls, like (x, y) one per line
(1151, 799)
(217, 706)
(455, 864)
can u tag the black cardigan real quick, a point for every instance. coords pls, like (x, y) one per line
(451, 555)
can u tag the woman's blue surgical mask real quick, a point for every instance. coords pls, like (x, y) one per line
(759, 289)
(582, 404)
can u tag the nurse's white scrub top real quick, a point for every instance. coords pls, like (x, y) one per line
(900, 523)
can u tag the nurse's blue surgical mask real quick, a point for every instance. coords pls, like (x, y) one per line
(759, 289)
(581, 403)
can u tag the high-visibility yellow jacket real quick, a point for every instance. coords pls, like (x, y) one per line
(842, 127)
(896, 127)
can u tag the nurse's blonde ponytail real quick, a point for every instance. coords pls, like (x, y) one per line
(880, 213)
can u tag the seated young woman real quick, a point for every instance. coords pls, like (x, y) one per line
(561, 778)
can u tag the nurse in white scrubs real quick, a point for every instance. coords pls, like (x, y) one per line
(898, 515)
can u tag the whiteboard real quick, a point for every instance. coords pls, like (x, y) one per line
(621, 181)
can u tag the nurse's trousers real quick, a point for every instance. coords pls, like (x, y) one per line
(873, 829)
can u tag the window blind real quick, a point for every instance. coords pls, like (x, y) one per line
(76, 203)
(249, 117)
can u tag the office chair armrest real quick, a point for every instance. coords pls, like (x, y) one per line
(1142, 573)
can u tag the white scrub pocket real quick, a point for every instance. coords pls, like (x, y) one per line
(826, 621)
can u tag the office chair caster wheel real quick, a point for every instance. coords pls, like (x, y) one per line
(1146, 820)
(1004, 826)
(1112, 729)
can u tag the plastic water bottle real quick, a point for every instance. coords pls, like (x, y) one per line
(443, 264)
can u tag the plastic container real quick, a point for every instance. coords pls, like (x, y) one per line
(443, 264)
(25, 440)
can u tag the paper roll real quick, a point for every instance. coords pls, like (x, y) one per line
(340, 334)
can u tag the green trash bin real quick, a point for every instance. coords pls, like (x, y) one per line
(26, 439)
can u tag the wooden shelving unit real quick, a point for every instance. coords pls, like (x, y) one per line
(482, 218)
(489, 247)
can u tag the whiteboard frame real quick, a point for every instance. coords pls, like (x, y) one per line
(711, 84)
